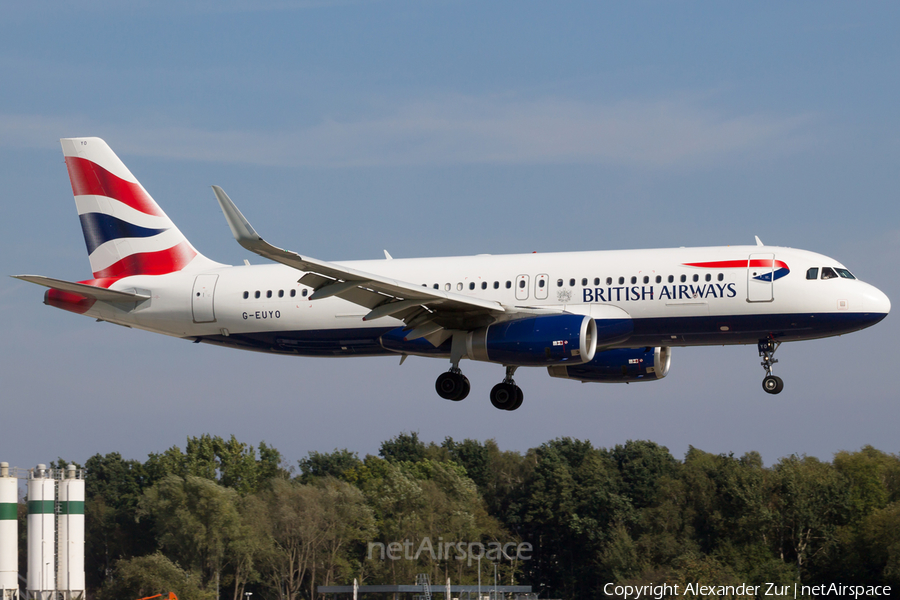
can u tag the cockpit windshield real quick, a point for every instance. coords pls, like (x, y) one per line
(845, 273)
(829, 273)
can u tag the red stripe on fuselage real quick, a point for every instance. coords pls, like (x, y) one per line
(149, 263)
(90, 179)
(739, 264)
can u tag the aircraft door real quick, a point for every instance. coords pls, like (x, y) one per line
(522, 287)
(202, 298)
(541, 286)
(760, 278)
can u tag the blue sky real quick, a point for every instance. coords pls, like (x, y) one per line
(448, 128)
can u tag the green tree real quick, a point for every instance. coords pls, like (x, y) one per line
(334, 464)
(195, 521)
(113, 489)
(406, 447)
(153, 574)
(811, 501)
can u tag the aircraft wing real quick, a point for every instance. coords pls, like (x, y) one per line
(425, 311)
(88, 291)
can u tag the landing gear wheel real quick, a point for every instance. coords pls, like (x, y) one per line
(505, 395)
(773, 384)
(519, 397)
(767, 347)
(452, 386)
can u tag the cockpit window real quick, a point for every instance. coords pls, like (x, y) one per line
(845, 273)
(812, 273)
(828, 273)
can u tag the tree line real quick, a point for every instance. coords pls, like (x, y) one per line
(221, 518)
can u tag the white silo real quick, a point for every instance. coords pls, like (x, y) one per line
(9, 534)
(70, 536)
(41, 582)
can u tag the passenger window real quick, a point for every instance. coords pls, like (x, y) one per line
(293, 293)
(446, 287)
(621, 280)
(459, 286)
(305, 292)
(584, 281)
(508, 284)
(484, 285)
(256, 294)
(596, 281)
(521, 284)
(541, 283)
(472, 285)
(683, 278)
(845, 273)
(709, 277)
(721, 277)
(559, 282)
(609, 281)
(281, 293)
(812, 273)
(696, 277)
(496, 285)
(671, 278)
(269, 294)
(659, 279)
(828, 273)
(437, 287)
(646, 279)
(246, 295)
(572, 282)
(633, 279)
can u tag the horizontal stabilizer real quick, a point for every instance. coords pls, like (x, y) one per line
(88, 291)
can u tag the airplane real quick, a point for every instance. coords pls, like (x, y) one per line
(604, 316)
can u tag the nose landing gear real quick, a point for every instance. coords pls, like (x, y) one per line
(771, 383)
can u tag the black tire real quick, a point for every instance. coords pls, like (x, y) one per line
(520, 396)
(503, 395)
(466, 388)
(773, 384)
(450, 386)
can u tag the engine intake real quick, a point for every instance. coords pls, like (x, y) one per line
(620, 365)
(536, 341)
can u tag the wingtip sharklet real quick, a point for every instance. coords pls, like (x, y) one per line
(240, 227)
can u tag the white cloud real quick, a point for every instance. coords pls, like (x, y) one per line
(464, 130)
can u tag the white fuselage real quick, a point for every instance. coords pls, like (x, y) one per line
(671, 302)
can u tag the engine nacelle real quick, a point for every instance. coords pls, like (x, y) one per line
(536, 341)
(620, 365)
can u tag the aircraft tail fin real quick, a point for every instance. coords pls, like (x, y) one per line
(125, 230)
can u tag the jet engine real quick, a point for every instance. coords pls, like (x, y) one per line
(536, 341)
(620, 365)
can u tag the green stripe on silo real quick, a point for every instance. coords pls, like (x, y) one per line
(72, 507)
(40, 507)
(9, 511)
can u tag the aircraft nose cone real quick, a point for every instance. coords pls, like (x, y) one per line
(875, 301)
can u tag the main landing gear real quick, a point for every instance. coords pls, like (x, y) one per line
(453, 385)
(767, 347)
(506, 395)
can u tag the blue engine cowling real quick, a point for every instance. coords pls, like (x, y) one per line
(621, 365)
(536, 341)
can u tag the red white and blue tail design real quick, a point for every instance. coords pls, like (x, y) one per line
(125, 231)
